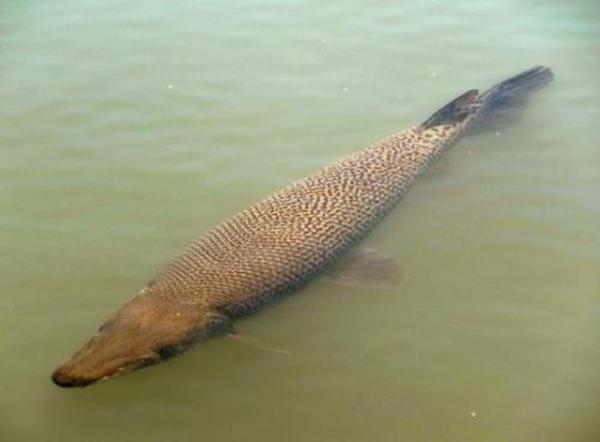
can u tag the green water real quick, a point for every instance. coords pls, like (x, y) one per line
(129, 128)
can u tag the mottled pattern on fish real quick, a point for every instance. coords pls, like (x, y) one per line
(278, 243)
(290, 236)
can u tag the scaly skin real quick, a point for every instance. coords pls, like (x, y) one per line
(282, 241)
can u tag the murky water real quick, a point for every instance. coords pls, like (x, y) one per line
(129, 128)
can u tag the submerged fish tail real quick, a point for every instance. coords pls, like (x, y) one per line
(504, 102)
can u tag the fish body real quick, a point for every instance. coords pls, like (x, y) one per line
(282, 242)
(293, 234)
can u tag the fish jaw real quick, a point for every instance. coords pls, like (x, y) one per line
(143, 332)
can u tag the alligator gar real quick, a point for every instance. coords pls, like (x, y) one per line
(283, 241)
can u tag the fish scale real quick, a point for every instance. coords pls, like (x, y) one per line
(290, 236)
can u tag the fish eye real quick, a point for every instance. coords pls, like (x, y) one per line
(167, 351)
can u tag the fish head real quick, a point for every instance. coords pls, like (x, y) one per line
(143, 332)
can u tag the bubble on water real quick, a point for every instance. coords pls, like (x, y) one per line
(170, 86)
(434, 74)
(473, 414)
(346, 89)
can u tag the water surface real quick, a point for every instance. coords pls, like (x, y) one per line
(127, 129)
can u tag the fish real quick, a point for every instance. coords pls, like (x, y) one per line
(283, 242)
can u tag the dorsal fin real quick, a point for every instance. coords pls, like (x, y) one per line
(453, 112)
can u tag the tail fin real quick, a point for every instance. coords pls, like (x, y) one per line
(500, 104)
(504, 102)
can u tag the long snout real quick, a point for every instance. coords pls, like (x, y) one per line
(101, 358)
(63, 378)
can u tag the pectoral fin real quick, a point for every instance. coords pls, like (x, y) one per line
(366, 268)
(219, 323)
